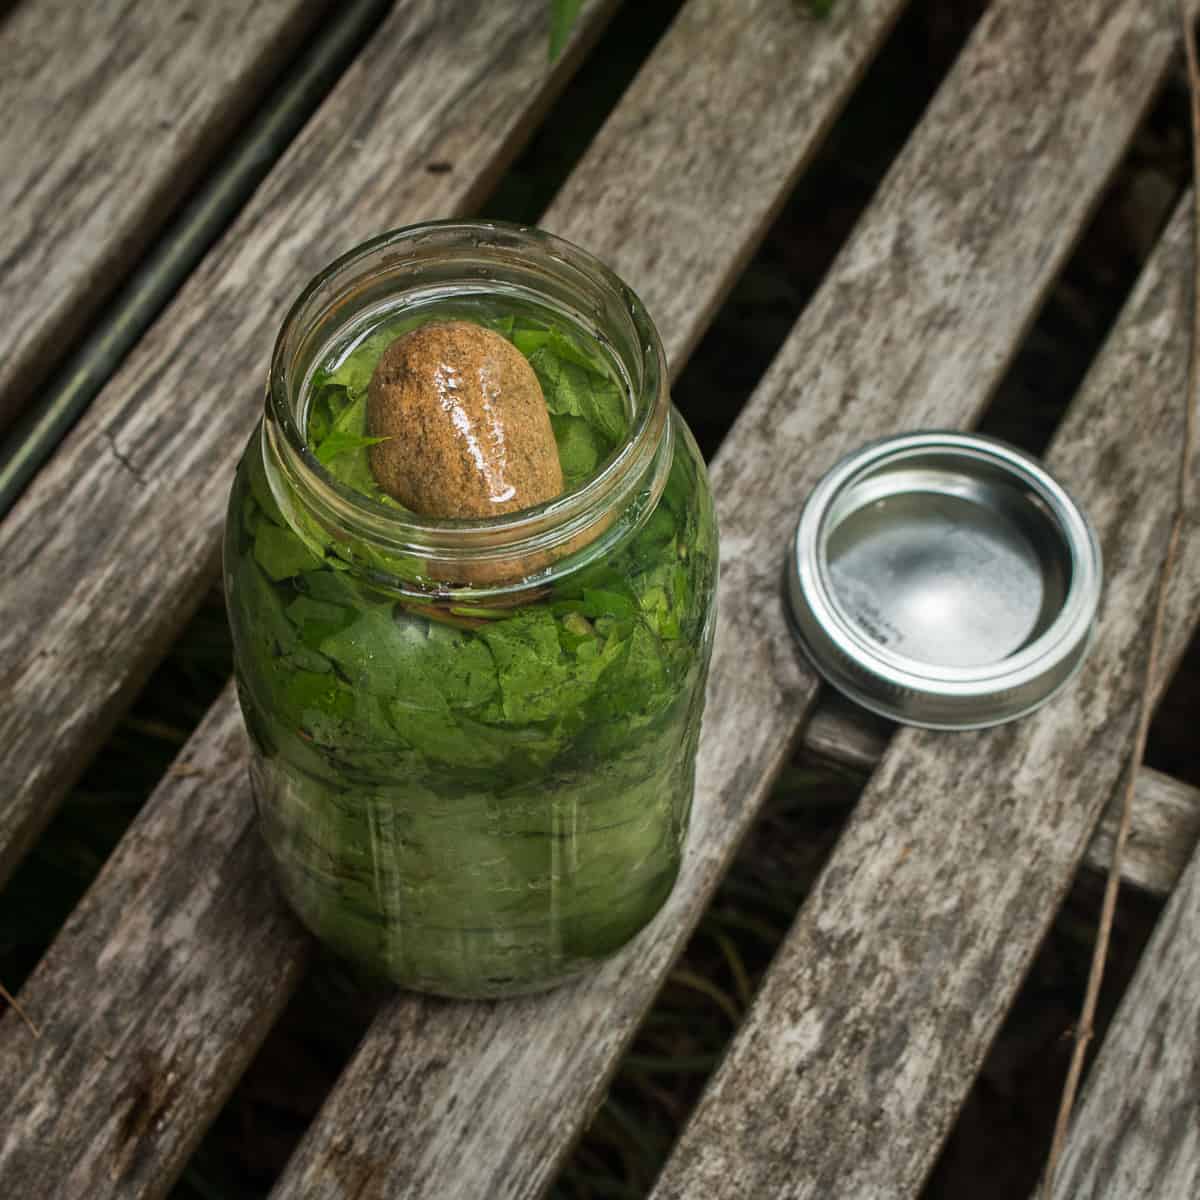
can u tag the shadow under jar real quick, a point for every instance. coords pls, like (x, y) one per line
(473, 741)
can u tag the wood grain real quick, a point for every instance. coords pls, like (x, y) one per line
(112, 546)
(111, 113)
(841, 732)
(879, 1008)
(163, 983)
(683, 181)
(1136, 1135)
(912, 327)
(216, 946)
(1162, 838)
(143, 1036)
(94, 605)
(1166, 812)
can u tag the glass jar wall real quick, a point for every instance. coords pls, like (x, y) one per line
(473, 740)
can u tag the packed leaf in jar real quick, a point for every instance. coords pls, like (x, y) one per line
(470, 565)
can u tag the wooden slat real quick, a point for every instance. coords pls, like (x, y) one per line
(1166, 812)
(879, 1007)
(158, 991)
(841, 732)
(683, 181)
(1136, 1135)
(1162, 836)
(216, 946)
(912, 327)
(143, 1037)
(115, 541)
(111, 113)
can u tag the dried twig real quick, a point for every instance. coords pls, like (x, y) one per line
(5, 994)
(1085, 1029)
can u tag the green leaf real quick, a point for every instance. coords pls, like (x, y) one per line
(462, 665)
(280, 553)
(566, 347)
(354, 373)
(639, 685)
(538, 682)
(304, 659)
(448, 739)
(370, 653)
(344, 450)
(251, 514)
(418, 664)
(318, 703)
(563, 14)
(528, 339)
(317, 619)
(531, 665)
(260, 489)
(503, 325)
(597, 602)
(576, 391)
(334, 588)
(580, 448)
(352, 420)
(328, 400)
(338, 443)
(264, 613)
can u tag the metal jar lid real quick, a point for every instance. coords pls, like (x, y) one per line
(944, 580)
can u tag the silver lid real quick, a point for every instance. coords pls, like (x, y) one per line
(944, 580)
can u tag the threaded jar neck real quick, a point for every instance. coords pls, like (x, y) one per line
(504, 554)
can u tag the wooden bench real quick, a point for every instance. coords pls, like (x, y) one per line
(874, 1019)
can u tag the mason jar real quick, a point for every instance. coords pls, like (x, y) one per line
(473, 740)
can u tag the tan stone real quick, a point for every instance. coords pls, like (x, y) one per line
(466, 422)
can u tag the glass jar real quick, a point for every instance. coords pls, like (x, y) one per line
(473, 740)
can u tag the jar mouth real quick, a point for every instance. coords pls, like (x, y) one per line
(457, 258)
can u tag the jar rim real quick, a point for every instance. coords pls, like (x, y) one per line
(539, 529)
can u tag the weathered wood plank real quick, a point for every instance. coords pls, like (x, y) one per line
(143, 1036)
(878, 1009)
(687, 174)
(1162, 837)
(113, 544)
(913, 326)
(231, 1041)
(70, 676)
(217, 946)
(1136, 1135)
(1166, 813)
(157, 992)
(111, 113)
(841, 732)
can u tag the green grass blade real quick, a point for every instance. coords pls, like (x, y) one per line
(563, 14)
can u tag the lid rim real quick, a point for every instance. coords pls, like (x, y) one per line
(909, 689)
(987, 719)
